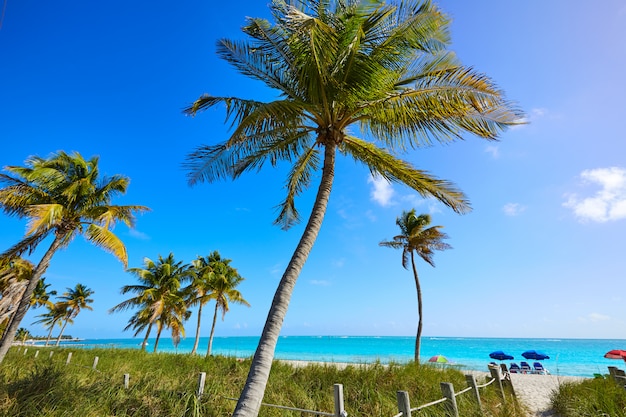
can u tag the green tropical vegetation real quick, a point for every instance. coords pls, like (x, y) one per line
(160, 298)
(216, 280)
(72, 302)
(342, 68)
(62, 196)
(591, 397)
(416, 237)
(53, 317)
(164, 385)
(22, 334)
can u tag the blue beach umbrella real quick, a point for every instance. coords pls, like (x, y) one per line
(535, 355)
(500, 356)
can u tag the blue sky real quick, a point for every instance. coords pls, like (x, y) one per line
(540, 255)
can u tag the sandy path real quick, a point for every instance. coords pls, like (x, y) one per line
(535, 391)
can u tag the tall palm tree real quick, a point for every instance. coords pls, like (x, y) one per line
(73, 301)
(159, 297)
(342, 67)
(416, 237)
(53, 317)
(214, 279)
(200, 289)
(61, 196)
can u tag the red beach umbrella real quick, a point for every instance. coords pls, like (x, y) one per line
(616, 354)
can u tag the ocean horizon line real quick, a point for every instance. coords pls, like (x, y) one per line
(567, 356)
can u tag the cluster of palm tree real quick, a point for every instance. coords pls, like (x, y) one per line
(64, 311)
(162, 299)
(61, 196)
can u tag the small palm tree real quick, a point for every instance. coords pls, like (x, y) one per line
(416, 237)
(22, 334)
(160, 299)
(62, 196)
(363, 79)
(214, 279)
(53, 317)
(223, 284)
(41, 295)
(73, 301)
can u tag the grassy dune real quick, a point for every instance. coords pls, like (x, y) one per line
(165, 385)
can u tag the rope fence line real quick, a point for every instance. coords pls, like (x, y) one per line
(338, 389)
(404, 408)
(449, 395)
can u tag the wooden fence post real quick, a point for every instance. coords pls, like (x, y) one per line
(471, 382)
(95, 363)
(495, 373)
(448, 392)
(338, 393)
(201, 380)
(126, 381)
(404, 406)
(69, 358)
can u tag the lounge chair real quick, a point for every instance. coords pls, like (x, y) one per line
(525, 367)
(503, 368)
(539, 369)
(514, 368)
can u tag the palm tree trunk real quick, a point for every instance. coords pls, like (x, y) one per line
(9, 334)
(145, 339)
(156, 342)
(249, 402)
(50, 334)
(419, 311)
(67, 319)
(195, 344)
(208, 351)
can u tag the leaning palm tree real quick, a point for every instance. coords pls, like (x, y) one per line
(53, 317)
(416, 237)
(159, 297)
(41, 295)
(73, 301)
(62, 196)
(343, 68)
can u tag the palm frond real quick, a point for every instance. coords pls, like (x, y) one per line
(393, 169)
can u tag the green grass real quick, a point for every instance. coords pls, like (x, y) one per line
(592, 397)
(165, 385)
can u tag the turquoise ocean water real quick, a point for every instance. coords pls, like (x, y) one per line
(575, 357)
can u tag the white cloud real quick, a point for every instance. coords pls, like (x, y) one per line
(138, 235)
(382, 191)
(493, 150)
(594, 318)
(513, 209)
(320, 282)
(608, 203)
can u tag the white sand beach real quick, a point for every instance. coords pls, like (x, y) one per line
(535, 391)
